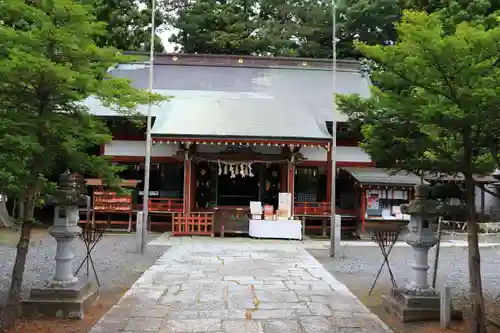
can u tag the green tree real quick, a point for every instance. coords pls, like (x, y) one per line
(128, 25)
(49, 64)
(372, 22)
(315, 30)
(216, 27)
(253, 27)
(435, 105)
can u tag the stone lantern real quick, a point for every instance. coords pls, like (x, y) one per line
(417, 300)
(64, 295)
(65, 228)
(421, 238)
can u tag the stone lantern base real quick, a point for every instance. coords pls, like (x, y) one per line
(409, 308)
(69, 302)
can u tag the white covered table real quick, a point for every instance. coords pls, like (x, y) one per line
(283, 229)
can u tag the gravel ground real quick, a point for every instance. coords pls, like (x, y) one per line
(359, 266)
(117, 262)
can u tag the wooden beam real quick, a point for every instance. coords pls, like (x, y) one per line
(242, 141)
(140, 159)
(341, 164)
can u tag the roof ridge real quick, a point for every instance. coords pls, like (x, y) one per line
(226, 60)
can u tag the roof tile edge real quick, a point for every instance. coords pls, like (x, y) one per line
(226, 60)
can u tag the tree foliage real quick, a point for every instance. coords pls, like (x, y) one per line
(372, 22)
(254, 27)
(49, 65)
(435, 107)
(128, 24)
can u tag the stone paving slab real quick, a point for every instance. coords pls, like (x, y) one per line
(166, 239)
(228, 287)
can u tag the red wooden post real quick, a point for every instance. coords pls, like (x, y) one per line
(291, 181)
(363, 209)
(329, 175)
(284, 178)
(187, 187)
(192, 185)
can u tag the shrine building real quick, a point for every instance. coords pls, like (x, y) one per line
(242, 129)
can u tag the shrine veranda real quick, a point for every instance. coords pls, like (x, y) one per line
(240, 130)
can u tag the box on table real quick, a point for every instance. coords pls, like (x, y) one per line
(284, 205)
(268, 212)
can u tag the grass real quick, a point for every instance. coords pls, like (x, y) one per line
(8, 237)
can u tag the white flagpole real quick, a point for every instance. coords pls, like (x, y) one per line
(333, 230)
(147, 162)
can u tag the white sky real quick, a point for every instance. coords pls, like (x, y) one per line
(163, 32)
(165, 35)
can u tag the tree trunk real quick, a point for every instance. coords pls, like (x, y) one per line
(14, 207)
(21, 209)
(478, 322)
(11, 310)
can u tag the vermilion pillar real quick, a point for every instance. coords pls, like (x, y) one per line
(284, 178)
(291, 182)
(329, 175)
(363, 209)
(192, 185)
(187, 185)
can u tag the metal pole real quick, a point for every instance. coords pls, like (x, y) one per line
(147, 162)
(334, 135)
(87, 216)
(438, 247)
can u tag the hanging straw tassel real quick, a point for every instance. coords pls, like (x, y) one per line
(250, 173)
(242, 170)
(225, 169)
(231, 170)
(220, 167)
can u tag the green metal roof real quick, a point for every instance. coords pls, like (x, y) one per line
(378, 176)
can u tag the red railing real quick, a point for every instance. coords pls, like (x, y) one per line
(319, 209)
(195, 224)
(166, 205)
(312, 208)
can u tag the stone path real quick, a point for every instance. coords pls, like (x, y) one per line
(166, 239)
(226, 287)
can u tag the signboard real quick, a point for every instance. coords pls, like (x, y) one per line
(285, 205)
(373, 203)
